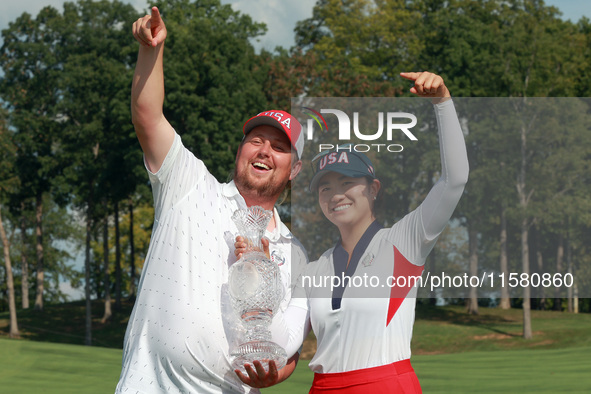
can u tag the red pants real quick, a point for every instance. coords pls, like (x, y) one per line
(398, 377)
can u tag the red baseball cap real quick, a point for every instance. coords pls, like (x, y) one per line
(283, 121)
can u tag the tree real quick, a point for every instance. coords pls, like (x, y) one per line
(142, 225)
(13, 333)
(372, 36)
(30, 89)
(563, 169)
(583, 74)
(96, 75)
(8, 182)
(535, 58)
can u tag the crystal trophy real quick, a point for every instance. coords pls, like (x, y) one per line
(256, 291)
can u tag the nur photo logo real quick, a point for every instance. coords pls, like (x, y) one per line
(351, 125)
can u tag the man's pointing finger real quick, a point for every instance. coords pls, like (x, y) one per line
(156, 19)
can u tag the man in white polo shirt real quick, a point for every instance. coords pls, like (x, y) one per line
(182, 327)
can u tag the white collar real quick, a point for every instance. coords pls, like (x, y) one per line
(280, 230)
(230, 190)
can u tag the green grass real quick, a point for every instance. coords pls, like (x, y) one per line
(444, 330)
(54, 368)
(453, 352)
(38, 367)
(514, 371)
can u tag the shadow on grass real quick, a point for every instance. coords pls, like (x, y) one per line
(66, 323)
(485, 320)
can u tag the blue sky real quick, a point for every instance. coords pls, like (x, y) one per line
(279, 15)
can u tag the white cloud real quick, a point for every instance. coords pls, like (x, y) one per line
(279, 16)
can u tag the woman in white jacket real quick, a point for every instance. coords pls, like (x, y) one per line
(363, 338)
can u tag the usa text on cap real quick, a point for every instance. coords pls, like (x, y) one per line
(283, 121)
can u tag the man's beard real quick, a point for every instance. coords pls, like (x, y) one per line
(271, 189)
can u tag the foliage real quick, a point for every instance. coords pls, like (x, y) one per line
(518, 48)
(142, 228)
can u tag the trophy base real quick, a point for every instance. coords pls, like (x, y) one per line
(263, 351)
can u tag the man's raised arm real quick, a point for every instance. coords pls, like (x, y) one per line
(154, 132)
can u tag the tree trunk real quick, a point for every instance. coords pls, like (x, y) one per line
(39, 250)
(505, 296)
(24, 261)
(88, 336)
(131, 253)
(473, 246)
(527, 330)
(540, 260)
(117, 259)
(559, 261)
(575, 299)
(569, 270)
(13, 333)
(107, 283)
(524, 197)
(89, 215)
(432, 293)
